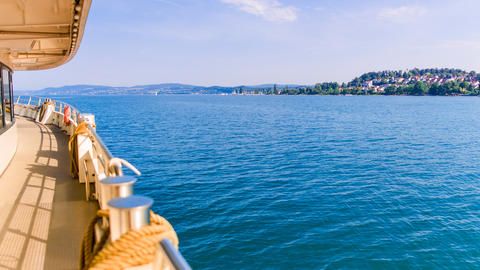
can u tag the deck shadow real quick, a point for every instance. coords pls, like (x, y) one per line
(45, 225)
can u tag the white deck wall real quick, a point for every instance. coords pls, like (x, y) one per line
(8, 146)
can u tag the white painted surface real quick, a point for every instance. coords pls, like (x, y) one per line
(48, 114)
(8, 146)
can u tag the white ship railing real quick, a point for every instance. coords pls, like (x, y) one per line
(29, 106)
(95, 165)
(95, 161)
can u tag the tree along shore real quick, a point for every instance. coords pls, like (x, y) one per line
(416, 82)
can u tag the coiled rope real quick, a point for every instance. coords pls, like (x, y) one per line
(89, 248)
(133, 248)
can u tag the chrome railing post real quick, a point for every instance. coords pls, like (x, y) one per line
(115, 187)
(129, 213)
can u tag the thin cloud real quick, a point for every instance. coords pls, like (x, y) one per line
(168, 2)
(403, 14)
(270, 10)
(461, 44)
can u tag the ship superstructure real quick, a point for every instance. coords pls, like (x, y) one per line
(65, 201)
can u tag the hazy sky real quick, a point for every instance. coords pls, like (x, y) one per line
(234, 42)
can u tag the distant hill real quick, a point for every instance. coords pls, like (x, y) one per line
(418, 82)
(153, 89)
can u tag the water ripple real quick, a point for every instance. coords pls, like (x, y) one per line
(307, 182)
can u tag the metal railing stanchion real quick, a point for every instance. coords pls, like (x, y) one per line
(129, 213)
(115, 187)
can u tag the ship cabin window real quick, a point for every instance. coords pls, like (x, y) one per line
(6, 92)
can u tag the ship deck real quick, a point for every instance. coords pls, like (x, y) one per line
(44, 212)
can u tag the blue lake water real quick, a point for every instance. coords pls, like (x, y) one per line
(306, 182)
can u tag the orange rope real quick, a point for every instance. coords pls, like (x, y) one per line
(135, 248)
